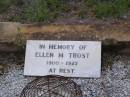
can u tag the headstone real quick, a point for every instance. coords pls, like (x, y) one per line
(65, 58)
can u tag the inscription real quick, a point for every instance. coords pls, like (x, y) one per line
(66, 58)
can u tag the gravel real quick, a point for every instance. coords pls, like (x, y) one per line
(114, 80)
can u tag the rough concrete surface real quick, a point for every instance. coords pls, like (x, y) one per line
(13, 36)
(114, 80)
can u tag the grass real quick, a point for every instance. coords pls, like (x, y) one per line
(108, 8)
(4, 4)
(44, 10)
(47, 10)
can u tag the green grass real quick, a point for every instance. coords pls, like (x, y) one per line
(108, 8)
(47, 10)
(43, 10)
(4, 4)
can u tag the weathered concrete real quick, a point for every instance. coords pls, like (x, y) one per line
(14, 35)
(119, 32)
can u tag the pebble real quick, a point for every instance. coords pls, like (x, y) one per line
(114, 80)
(1, 69)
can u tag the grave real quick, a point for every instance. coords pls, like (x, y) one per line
(115, 57)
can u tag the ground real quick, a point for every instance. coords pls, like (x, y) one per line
(115, 76)
(114, 80)
(27, 12)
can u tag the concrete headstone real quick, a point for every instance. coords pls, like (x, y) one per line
(65, 58)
